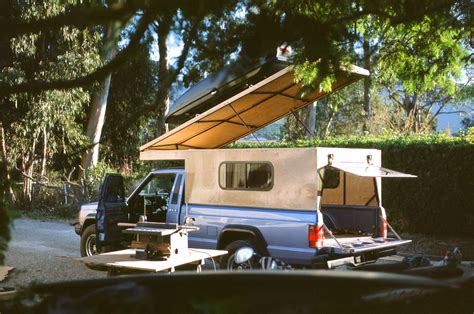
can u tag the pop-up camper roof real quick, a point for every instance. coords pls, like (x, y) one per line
(246, 112)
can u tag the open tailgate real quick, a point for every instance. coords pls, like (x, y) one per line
(362, 244)
(357, 251)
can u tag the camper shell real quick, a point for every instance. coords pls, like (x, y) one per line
(296, 176)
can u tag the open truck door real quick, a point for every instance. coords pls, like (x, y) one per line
(111, 210)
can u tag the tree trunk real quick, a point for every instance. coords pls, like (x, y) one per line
(4, 171)
(411, 106)
(28, 165)
(367, 83)
(417, 115)
(44, 157)
(99, 104)
(163, 97)
(329, 124)
(310, 122)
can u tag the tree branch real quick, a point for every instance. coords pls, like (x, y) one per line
(76, 16)
(184, 53)
(97, 75)
(166, 82)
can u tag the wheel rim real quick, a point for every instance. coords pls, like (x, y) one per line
(232, 265)
(91, 248)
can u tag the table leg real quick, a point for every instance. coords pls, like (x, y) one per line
(112, 272)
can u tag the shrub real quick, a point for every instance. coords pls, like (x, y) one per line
(94, 177)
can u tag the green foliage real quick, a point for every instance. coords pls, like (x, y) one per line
(44, 130)
(94, 177)
(59, 212)
(422, 56)
(416, 65)
(126, 128)
(439, 200)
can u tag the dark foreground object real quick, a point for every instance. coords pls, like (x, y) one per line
(253, 292)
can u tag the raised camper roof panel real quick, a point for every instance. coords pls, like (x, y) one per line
(246, 112)
(217, 87)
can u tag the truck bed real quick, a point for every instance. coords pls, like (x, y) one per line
(356, 230)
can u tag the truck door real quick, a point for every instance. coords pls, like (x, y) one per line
(175, 201)
(111, 210)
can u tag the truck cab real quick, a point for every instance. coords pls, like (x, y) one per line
(158, 198)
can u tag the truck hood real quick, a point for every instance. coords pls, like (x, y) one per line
(87, 209)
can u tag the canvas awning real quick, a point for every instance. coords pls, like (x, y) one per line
(368, 170)
(246, 112)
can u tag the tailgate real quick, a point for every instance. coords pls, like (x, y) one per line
(356, 245)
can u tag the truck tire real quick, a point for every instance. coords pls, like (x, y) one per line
(88, 247)
(227, 261)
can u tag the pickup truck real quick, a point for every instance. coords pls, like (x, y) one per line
(309, 207)
(305, 206)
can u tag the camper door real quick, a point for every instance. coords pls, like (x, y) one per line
(354, 183)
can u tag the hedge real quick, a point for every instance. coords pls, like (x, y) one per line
(440, 201)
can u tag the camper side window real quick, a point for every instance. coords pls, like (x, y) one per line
(257, 176)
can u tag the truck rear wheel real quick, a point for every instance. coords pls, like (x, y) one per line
(227, 261)
(88, 247)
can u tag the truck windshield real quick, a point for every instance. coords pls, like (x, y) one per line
(153, 198)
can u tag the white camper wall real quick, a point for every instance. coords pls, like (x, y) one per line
(294, 185)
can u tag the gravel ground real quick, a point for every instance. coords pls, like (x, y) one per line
(44, 251)
(436, 246)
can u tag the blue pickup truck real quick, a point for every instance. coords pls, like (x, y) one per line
(306, 206)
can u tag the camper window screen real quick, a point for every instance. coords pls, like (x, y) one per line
(256, 176)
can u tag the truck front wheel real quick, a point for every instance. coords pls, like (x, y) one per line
(227, 261)
(88, 247)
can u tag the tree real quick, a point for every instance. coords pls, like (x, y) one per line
(98, 106)
(416, 63)
(132, 89)
(41, 124)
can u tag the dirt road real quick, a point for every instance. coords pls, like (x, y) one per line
(44, 251)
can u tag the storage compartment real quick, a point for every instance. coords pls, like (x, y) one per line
(350, 204)
(351, 221)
